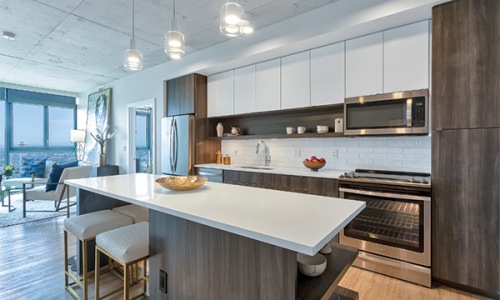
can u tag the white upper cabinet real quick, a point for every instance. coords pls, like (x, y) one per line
(327, 75)
(267, 81)
(220, 94)
(364, 65)
(295, 80)
(244, 90)
(406, 57)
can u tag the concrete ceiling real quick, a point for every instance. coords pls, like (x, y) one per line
(76, 45)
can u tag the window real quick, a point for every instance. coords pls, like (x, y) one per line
(143, 139)
(2, 135)
(27, 126)
(37, 126)
(60, 125)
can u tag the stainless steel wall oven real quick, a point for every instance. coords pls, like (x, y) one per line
(393, 232)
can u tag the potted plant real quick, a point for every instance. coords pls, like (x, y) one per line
(102, 137)
(8, 170)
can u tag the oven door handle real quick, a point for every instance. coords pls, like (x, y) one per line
(386, 195)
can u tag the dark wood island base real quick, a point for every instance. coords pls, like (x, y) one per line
(202, 262)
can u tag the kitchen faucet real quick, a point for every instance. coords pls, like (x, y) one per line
(267, 158)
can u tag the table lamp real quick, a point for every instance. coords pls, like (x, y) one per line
(78, 136)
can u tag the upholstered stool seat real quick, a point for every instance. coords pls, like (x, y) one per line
(136, 212)
(126, 245)
(85, 228)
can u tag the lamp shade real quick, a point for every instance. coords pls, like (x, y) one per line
(230, 17)
(78, 136)
(133, 57)
(174, 41)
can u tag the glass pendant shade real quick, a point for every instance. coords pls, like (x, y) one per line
(174, 41)
(233, 20)
(246, 27)
(133, 57)
(230, 17)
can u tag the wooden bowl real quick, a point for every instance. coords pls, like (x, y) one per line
(181, 183)
(315, 166)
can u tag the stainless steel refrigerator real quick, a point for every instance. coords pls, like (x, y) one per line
(178, 145)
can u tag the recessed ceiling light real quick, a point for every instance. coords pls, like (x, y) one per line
(9, 35)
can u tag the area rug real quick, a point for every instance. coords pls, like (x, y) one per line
(16, 217)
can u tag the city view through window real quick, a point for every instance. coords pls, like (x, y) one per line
(35, 131)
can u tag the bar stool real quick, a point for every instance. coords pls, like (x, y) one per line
(127, 245)
(85, 228)
(136, 212)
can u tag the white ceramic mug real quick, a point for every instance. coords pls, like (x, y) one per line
(301, 129)
(290, 130)
(235, 130)
(322, 129)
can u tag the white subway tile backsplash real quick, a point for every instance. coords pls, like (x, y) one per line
(395, 143)
(386, 153)
(374, 155)
(360, 149)
(388, 150)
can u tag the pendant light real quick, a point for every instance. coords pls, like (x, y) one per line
(232, 21)
(174, 40)
(133, 57)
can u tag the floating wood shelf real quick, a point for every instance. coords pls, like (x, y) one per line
(279, 136)
(338, 262)
(271, 125)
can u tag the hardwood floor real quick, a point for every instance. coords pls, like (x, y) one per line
(31, 267)
(32, 263)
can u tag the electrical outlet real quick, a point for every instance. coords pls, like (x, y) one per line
(163, 281)
(296, 153)
(335, 153)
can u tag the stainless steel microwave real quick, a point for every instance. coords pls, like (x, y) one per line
(387, 114)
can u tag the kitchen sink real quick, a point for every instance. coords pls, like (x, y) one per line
(257, 167)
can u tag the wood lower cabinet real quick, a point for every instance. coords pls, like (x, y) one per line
(465, 208)
(297, 184)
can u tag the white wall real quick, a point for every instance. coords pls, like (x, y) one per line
(407, 153)
(335, 22)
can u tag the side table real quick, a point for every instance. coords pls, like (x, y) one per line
(7, 190)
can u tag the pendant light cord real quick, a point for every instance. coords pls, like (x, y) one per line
(174, 9)
(133, 18)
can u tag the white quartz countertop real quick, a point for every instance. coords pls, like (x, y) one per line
(298, 222)
(323, 173)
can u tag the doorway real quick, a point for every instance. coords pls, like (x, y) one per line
(141, 133)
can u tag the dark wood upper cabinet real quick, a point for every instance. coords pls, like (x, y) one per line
(465, 64)
(188, 95)
(185, 93)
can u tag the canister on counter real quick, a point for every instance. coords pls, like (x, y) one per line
(218, 158)
(227, 160)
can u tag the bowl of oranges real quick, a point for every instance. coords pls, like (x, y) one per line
(314, 163)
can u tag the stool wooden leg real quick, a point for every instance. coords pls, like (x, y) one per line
(144, 274)
(97, 268)
(125, 282)
(66, 281)
(85, 279)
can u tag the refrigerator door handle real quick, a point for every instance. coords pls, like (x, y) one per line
(172, 146)
(176, 145)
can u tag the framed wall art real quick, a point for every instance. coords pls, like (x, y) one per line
(98, 110)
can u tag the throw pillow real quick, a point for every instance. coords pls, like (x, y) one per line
(33, 166)
(56, 173)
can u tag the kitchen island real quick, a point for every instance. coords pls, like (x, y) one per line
(223, 241)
